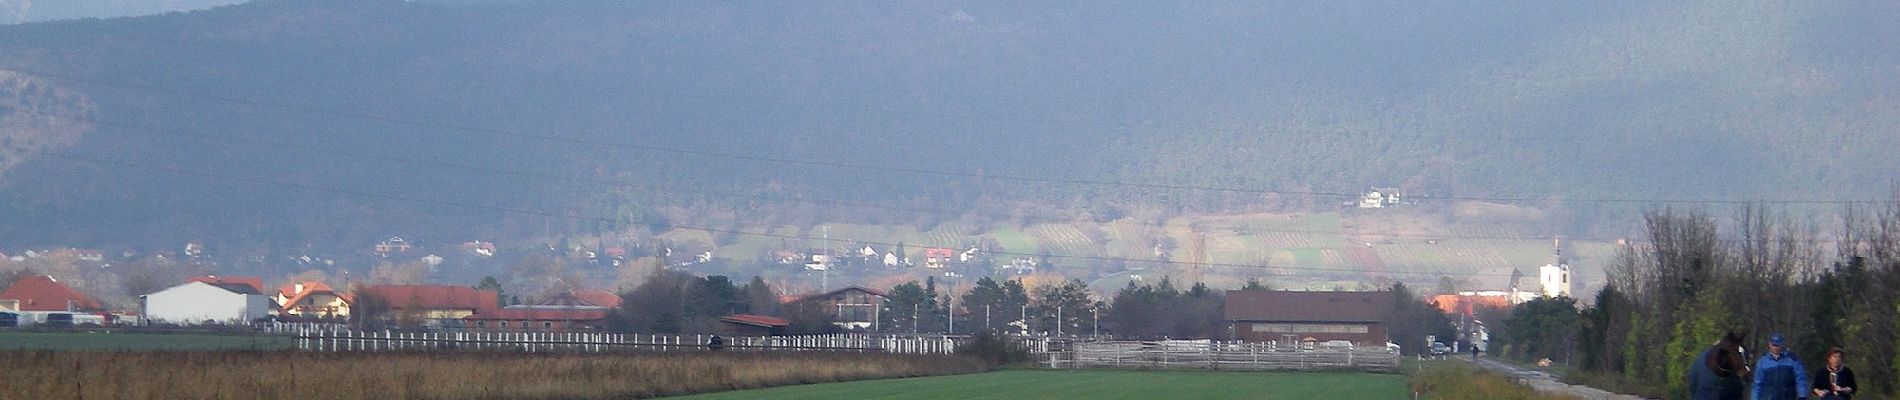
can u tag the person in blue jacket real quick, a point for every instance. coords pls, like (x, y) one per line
(1779, 375)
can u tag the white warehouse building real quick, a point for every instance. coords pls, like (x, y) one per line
(200, 302)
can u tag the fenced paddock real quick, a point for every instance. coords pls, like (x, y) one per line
(1250, 356)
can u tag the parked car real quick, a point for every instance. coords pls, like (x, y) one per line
(1440, 349)
(58, 319)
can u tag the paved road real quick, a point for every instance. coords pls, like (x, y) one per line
(1545, 382)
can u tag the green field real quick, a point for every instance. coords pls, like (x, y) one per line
(85, 341)
(1099, 385)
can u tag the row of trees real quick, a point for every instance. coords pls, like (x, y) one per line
(1694, 279)
(675, 302)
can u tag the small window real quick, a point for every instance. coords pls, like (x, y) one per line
(504, 324)
(547, 325)
(481, 323)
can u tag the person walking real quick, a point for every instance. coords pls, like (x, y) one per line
(1834, 381)
(1718, 372)
(1779, 375)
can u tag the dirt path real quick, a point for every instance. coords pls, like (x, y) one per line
(1547, 383)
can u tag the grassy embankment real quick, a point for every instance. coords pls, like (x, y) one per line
(283, 374)
(1457, 380)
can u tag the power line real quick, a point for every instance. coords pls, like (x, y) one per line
(919, 171)
(540, 213)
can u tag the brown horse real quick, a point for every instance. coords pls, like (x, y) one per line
(1729, 361)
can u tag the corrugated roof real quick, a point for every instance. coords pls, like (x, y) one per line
(873, 292)
(238, 288)
(757, 320)
(598, 297)
(256, 285)
(1254, 305)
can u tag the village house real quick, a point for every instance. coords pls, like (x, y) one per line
(852, 307)
(311, 300)
(1379, 198)
(1306, 317)
(43, 293)
(433, 305)
(209, 301)
(478, 248)
(937, 257)
(394, 245)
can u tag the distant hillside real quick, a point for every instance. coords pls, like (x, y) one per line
(24, 11)
(609, 109)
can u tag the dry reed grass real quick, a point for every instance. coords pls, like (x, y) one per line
(301, 375)
(1463, 382)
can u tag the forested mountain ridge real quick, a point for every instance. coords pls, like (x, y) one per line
(608, 110)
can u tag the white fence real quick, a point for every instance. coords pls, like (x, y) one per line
(1225, 356)
(337, 339)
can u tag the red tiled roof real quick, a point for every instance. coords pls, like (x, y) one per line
(257, 285)
(292, 296)
(290, 289)
(1254, 305)
(1462, 304)
(756, 320)
(532, 313)
(936, 252)
(42, 293)
(434, 297)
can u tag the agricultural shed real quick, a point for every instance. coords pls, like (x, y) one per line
(852, 307)
(753, 325)
(1260, 316)
(207, 303)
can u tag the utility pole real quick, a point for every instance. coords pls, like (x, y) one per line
(951, 314)
(1025, 318)
(986, 317)
(1058, 321)
(913, 319)
(824, 275)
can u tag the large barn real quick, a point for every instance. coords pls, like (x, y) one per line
(201, 302)
(1283, 316)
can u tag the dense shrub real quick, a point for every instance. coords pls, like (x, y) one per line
(994, 349)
